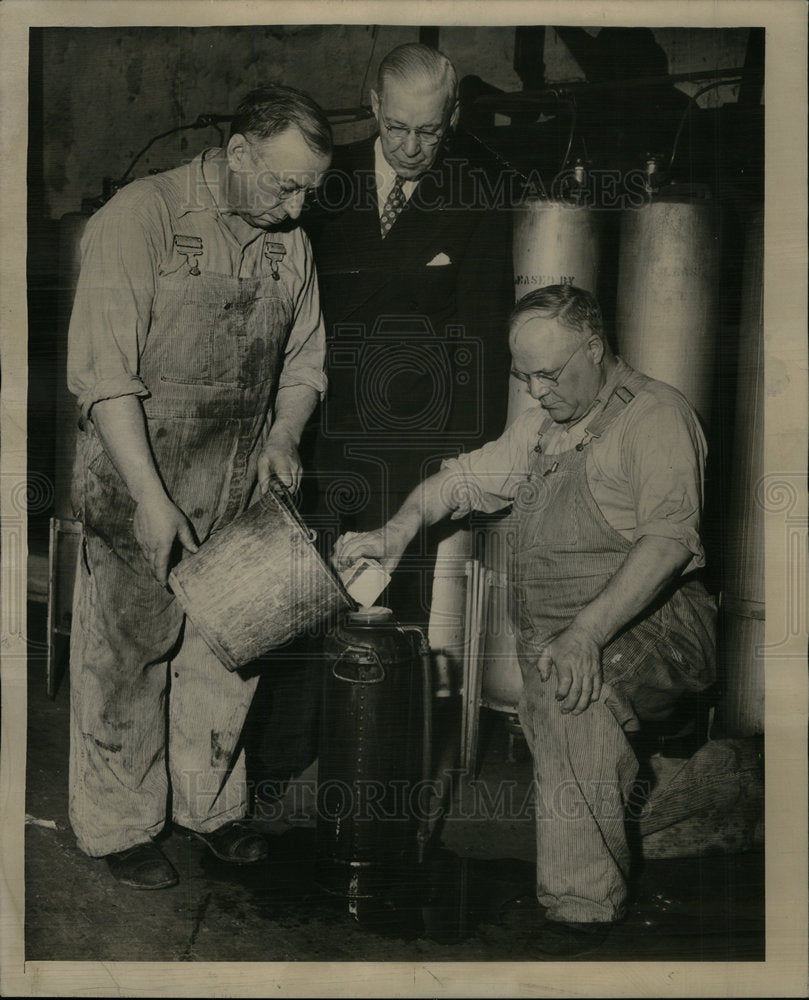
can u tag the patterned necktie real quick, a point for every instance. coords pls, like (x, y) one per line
(394, 204)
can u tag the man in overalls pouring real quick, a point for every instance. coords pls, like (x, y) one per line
(196, 352)
(606, 480)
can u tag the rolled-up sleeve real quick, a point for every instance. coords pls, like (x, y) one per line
(112, 306)
(488, 478)
(305, 355)
(666, 453)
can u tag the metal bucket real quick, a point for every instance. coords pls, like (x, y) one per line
(258, 582)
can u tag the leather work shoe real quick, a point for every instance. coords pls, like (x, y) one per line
(143, 866)
(563, 939)
(236, 842)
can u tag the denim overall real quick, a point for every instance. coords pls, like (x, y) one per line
(584, 766)
(146, 741)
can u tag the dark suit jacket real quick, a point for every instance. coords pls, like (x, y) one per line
(416, 323)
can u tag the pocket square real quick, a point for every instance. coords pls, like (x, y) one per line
(440, 260)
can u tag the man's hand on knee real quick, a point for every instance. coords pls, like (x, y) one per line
(576, 658)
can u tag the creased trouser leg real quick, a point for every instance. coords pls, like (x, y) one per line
(584, 769)
(207, 708)
(118, 780)
(125, 629)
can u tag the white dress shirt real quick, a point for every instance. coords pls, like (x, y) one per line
(385, 177)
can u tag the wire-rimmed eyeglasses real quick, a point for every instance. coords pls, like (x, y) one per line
(547, 379)
(399, 133)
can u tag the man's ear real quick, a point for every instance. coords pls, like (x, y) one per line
(375, 103)
(453, 118)
(237, 151)
(595, 345)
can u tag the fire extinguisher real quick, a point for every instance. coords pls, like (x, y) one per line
(374, 764)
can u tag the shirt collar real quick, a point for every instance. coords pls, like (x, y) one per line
(618, 375)
(579, 427)
(205, 192)
(386, 175)
(614, 379)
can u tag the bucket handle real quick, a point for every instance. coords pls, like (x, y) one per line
(283, 493)
(376, 677)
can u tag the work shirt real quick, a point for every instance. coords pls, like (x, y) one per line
(131, 242)
(646, 474)
(204, 317)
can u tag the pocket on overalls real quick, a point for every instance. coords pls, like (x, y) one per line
(644, 648)
(109, 509)
(266, 322)
(518, 612)
(187, 310)
(247, 334)
(542, 522)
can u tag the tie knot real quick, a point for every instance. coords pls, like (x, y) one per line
(399, 181)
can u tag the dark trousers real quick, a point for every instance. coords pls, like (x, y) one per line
(280, 735)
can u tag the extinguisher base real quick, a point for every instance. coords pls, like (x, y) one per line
(386, 899)
(365, 879)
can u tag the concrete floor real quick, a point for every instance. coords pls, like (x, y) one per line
(475, 903)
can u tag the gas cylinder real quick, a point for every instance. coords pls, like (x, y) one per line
(375, 732)
(668, 286)
(556, 242)
(741, 649)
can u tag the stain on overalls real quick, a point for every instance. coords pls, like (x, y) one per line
(211, 363)
(584, 766)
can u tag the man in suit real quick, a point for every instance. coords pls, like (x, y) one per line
(412, 248)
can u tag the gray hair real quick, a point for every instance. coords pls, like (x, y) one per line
(420, 61)
(272, 109)
(574, 307)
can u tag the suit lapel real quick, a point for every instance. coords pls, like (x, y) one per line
(415, 228)
(415, 237)
(418, 227)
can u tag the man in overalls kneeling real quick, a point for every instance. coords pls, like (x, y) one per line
(196, 352)
(605, 477)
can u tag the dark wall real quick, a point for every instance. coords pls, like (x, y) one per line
(107, 91)
(98, 95)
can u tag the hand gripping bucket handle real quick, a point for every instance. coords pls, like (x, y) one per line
(258, 582)
(282, 492)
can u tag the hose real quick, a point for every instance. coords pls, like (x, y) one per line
(690, 106)
(425, 656)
